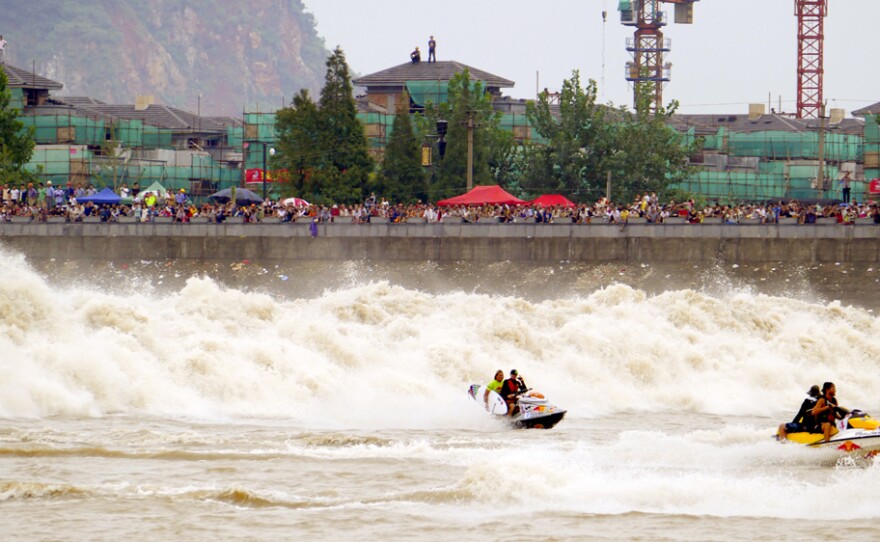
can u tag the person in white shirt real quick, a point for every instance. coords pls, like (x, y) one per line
(2, 50)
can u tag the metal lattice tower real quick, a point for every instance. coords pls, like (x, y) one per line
(811, 38)
(648, 46)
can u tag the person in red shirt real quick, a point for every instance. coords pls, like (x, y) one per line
(511, 390)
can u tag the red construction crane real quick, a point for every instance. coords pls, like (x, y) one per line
(648, 46)
(811, 39)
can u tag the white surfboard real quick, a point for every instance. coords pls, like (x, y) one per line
(493, 404)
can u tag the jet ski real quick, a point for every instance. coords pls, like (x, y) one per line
(532, 411)
(856, 432)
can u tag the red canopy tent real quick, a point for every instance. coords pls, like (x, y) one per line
(481, 195)
(552, 200)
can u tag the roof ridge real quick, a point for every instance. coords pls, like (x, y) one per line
(172, 111)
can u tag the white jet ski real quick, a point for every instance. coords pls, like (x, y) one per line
(533, 410)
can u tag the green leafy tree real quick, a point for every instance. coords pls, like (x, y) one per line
(586, 141)
(649, 155)
(16, 143)
(401, 177)
(578, 137)
(467, 102)
(347, 163)
(504, 156)
(323, 147)
(300, 146)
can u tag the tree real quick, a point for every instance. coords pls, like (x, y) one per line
(504, 156)
(300, 146)
(468, 102)
(578, 137)
(401, 177)
(649, 155)
(586, 141)
(112, 168)
(323, 146)
(347, 164)
(16, 143)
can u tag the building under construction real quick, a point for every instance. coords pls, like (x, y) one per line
(82, 140)
(755, 156)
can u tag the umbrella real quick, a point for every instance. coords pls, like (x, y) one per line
(243, 196)
(157, 188)
(296, 202)
(552, 200)
(106, 196)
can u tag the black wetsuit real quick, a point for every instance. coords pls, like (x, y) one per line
(804, 419)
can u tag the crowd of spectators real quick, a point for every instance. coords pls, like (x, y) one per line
(42, 202)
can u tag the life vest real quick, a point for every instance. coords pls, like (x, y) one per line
(829, 416)
(510, 387)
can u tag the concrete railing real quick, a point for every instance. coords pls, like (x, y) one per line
(825, 241)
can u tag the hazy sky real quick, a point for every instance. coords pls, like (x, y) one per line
(737, 52)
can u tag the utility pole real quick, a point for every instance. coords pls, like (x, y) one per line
(470, 150)
(608, 186)
(264, 170)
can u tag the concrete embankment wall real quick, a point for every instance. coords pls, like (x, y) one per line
(448, 242)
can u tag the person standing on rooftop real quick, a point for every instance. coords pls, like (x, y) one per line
(432, 50)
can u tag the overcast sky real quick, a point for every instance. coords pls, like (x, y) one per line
(737, 51)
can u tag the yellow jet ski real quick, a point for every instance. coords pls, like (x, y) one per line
(856, 432)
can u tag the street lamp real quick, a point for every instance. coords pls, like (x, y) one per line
(272, 153)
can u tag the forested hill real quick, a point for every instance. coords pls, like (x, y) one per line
(233, 53)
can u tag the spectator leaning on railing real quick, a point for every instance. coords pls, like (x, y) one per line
(40, 203)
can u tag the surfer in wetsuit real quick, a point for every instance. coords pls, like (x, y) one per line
(827, 412)
(803, 421)
(495, 386)
(511, 389)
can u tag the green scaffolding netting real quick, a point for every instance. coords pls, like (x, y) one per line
(16, 99)
(377, 127)
(872, 129)
(776, 145)
(78, 164)
(235, 136)
(521, 127)
(156, 138)
(259, 127)
(434, 92)
(129, 132)
(424, 92)
(773, 180)
(71, 129)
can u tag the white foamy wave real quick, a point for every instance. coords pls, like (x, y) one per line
(379, 355)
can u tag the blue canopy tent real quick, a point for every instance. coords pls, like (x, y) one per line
(104, 197)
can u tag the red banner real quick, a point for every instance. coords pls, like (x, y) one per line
(256, 175)
(874, 187)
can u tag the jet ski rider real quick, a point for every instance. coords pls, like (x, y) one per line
(511, 390)
(495, 386)
(827, 411)
(803, 421)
